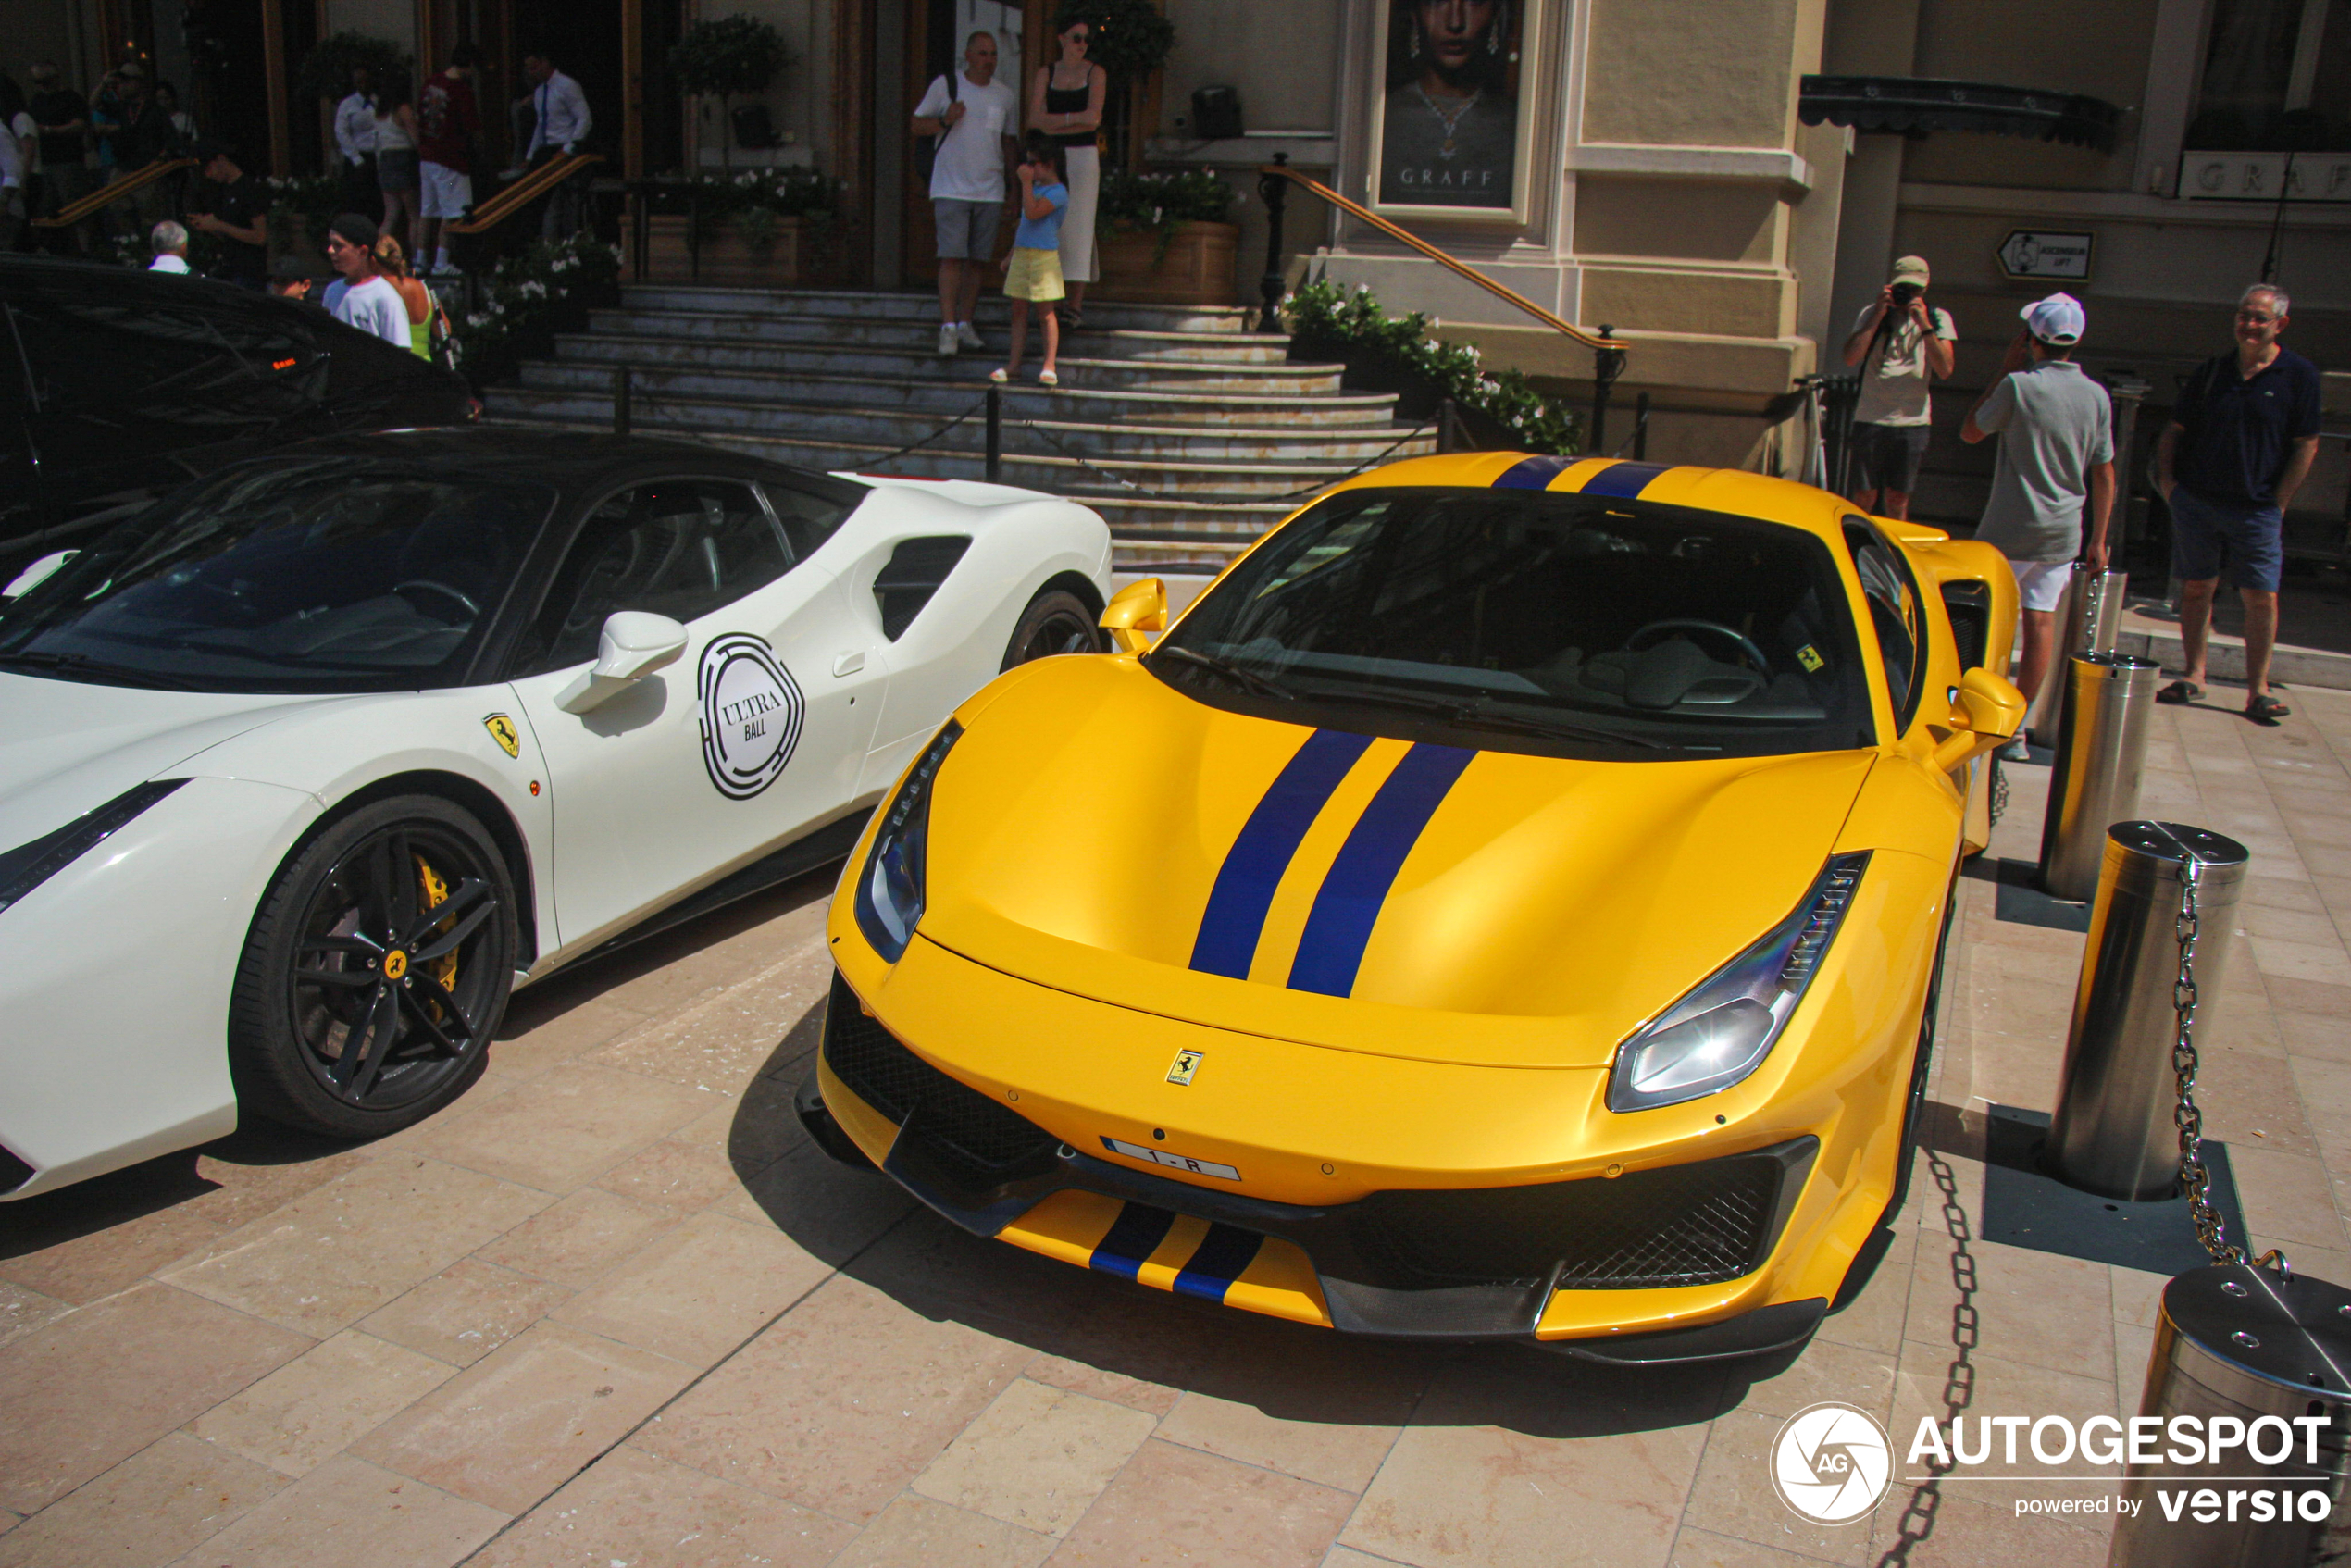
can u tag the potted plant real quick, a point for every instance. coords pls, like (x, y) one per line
(1166, 239)
(768, 228)
(737, 54)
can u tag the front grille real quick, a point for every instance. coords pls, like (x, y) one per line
(979, 1139)
(1698, 1224)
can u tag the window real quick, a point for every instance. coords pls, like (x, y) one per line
(681, 548)
(2275, 77)
(1895, 613)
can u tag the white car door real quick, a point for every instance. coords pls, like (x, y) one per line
(753, 736)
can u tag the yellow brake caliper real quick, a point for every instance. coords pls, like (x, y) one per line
(435, 893)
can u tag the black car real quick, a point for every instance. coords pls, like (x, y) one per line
(120, 385)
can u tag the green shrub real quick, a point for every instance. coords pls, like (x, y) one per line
(548, 288)
(1326, 317)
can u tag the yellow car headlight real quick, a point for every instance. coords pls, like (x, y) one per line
(1721, 1030)
(891, 888)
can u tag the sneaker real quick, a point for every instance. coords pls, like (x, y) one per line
(949, 343)
(2016, 751)
(968, 335)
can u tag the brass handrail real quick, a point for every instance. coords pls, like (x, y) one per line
(1361, 214)
(523, 191)
(106, 195)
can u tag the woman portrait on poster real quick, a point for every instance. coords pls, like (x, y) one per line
(1065, 103)
(1450, 121)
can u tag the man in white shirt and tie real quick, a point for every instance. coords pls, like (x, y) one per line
(560, 123)
(356, 140)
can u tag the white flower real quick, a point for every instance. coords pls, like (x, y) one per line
(535, 289)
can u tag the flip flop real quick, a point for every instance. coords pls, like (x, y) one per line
(1047, 379)
(2266, 710)
(2181, 692)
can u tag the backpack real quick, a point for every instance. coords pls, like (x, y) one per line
(926, 153)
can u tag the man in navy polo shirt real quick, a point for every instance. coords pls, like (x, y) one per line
(2240, 443)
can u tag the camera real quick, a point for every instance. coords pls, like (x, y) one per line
(1904, 293)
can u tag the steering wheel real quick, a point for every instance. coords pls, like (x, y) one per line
(444, 590)
(1736, 638)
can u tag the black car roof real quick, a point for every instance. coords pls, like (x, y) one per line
(572, 460)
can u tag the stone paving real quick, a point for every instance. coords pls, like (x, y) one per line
(613, 1310)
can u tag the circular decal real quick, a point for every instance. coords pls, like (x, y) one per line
(751, 712)
(1831, 1462)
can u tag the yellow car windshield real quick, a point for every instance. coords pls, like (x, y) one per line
(1554, 623)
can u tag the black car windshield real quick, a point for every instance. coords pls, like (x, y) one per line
(317, 575)
(1515, 620)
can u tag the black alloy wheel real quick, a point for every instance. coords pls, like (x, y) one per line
(378, 969)
(1056, 621)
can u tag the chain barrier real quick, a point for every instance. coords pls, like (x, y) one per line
(2195, 1180)
(1917, 1523)
(1196, 498)
(1997, 803)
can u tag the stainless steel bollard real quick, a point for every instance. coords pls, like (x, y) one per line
(2089, 621)
(2101, 750)
(2262, 1350)
(2113, 1132)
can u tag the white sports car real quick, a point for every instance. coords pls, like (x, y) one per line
(304, 771)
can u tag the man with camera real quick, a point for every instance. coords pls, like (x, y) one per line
(1898, 344)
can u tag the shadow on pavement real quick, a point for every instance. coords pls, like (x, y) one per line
(1108, 1332)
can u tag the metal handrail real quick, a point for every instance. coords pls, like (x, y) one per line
(106, 195)
(1361, 214)
(523, 191)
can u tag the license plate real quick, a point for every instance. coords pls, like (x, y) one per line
(1173, 1161)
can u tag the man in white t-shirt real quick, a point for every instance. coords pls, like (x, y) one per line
(1906, 343)
(362, 297)
(975, 119)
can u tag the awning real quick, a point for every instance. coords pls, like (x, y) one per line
(1913, 106)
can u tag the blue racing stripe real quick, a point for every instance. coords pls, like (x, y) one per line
(1218, 1261)
(1340, 927)
(1627, 480)
(1235, 915)
(1534, 473)
(1133, 1237)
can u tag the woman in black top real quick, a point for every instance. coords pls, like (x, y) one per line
(1065, 102)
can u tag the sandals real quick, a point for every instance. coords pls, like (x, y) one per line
(2266, 710)
(1047, 379)
(2181, 692)
(999, 375)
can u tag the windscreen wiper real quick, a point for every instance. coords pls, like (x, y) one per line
(1478, 715)
(81, 666)
(1250, 678)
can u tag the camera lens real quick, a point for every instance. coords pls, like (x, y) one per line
(1904, 293)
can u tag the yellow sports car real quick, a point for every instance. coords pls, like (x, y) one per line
(1507, 904)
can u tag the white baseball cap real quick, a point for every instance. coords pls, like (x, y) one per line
(2057, 320)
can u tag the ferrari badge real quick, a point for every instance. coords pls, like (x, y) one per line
(1186, 1063)
(502, 729)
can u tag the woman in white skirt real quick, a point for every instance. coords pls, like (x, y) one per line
(1065, 103)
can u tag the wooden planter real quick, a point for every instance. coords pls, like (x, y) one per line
(726, 257)
(1197, 269)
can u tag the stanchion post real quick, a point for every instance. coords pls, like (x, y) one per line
(995, 434)
(2101, 752)
(1607, 363)
(624, 389)
(2116, 1130)
(1641, 427)
(1445, 425)
(1275, 189)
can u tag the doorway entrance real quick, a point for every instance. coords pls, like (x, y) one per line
(936, 33)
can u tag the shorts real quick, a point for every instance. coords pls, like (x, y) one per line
(2253, 535)
(396, 169)
(448, 192)
(2041, 585)
(1887, 456)
(966, 230)
(1034, 274)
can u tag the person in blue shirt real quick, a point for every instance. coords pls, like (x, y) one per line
(1033, 272)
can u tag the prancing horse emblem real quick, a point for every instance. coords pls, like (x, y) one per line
(1186, 1063)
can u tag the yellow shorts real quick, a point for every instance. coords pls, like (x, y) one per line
(1034, 274)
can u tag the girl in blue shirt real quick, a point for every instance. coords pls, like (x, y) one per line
(1033, 272)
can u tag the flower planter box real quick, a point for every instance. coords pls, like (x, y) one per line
(726, 256)
(1196, 270)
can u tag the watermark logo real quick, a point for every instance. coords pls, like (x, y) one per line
(1832, 1462)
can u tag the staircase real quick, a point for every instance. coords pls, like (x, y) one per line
(1189, 432)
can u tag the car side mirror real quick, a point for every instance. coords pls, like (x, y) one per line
(633, 645)
(1987, 712)
(1136, 614)
(35, 574)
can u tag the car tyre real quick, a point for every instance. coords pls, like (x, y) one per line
(358, 1009)
(1056, 621)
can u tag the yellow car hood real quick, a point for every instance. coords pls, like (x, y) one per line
(1088, 834)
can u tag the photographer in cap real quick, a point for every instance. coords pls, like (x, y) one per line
(2057, 450)
(1898, 344)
